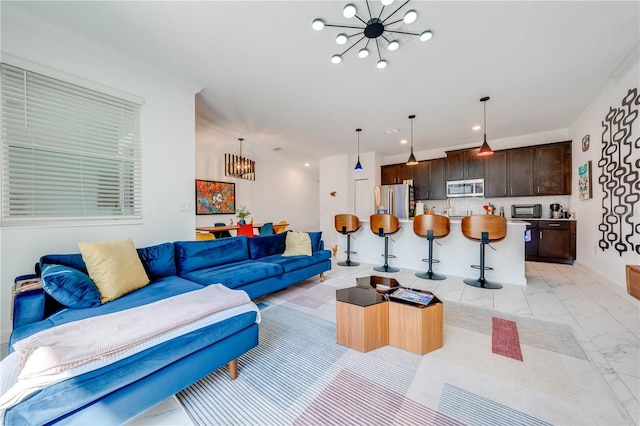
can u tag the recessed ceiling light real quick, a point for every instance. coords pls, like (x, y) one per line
(306, 164)
(476, 128)
(403, 141)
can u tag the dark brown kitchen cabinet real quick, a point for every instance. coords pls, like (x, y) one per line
(395, 173)
(521, 169)
(554, 241)
(553, 169)
(464, 164)
(437, 179)
(429, 180)
(496, 174)
(421, 180)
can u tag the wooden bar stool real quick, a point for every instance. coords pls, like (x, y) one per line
(347, 224)
(384, 225)
(431, 226)
(484, 228)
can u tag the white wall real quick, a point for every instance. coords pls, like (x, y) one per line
(589, 212)
(278, 193)
(167, 131)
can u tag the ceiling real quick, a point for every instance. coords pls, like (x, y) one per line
(267, 75)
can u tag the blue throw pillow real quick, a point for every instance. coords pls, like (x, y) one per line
(315, 240)
(70, 287)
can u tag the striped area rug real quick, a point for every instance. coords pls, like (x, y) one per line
(494, 368)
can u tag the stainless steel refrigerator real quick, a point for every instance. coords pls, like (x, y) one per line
(397, 200)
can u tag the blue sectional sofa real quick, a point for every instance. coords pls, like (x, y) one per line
(120, 391)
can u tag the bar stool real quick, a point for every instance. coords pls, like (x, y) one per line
(347, 224)
(384, 225)
(484, 228)
(431, 226)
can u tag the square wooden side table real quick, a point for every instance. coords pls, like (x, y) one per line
(416, 328)
(362, 319)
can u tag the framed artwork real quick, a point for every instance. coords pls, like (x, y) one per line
(215, 197)
(585, 143)
(584, 181)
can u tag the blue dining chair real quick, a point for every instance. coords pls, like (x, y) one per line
(267, 229)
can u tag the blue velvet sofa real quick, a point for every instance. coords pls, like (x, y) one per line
(118, 392)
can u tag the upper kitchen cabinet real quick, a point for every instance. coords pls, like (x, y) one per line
(464, 164)
(553, 169)
(521, 172)
(531, 170)
(395, 173)
(429, 180)
(496, 174)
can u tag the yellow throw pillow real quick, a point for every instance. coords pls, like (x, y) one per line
(297, 244)
(114, 266)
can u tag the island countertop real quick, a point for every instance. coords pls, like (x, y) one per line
(455, 252)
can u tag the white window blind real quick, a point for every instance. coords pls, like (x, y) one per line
(68, 153)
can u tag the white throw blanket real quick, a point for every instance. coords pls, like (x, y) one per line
(81, 346)
(66, 346)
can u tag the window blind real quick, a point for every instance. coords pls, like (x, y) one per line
(68, 152)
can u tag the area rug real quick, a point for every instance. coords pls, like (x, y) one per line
(494, 368)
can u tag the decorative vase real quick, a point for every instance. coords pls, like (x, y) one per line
(242, 222)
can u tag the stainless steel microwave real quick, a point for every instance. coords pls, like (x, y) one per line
(526, 211)
(465, 188)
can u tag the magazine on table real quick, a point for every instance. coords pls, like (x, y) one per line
(412, 296)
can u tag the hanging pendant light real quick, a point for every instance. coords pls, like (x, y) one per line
(485, 150)
(358, 167)
(412, 158)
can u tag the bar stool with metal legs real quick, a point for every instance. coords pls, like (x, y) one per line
(347, 224)
(431, 227)
(484, 228)
(384, 225)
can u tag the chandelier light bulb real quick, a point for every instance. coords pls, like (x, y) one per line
(317, 24)
(426, 35)
(336, 59)
(349, 11)
(410, 17)
(363, 53)
(393, 45)
(386, 2)
(381, 64)
(342, 38)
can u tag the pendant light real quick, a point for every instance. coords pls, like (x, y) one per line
(358, 167)
(412, 158)
(485, 150)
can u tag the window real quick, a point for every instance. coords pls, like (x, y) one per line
(68, 152)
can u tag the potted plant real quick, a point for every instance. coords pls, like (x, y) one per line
(242, 214)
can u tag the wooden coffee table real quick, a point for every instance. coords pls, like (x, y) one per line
(365, 320)
(362, 319)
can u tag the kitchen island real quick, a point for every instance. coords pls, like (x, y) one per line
(456, 252)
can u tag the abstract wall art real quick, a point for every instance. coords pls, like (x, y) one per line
(215, 197)
(620, 177)
(584, 181)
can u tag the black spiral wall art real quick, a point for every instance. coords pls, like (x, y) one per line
(620, 177)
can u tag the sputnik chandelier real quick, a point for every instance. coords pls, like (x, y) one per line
(381, 30)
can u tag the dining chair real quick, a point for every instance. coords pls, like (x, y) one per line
(280, 226)
(221, 234)
(267, 229)
(201, 236)
(246, 229)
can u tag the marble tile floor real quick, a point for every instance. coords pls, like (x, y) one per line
(606, 322)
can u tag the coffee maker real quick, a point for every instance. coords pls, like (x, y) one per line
(556, 211)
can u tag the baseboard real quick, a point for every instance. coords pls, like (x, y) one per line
(616, 288)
